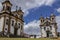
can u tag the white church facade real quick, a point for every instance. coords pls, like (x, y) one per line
(48, 26)
(11, 22)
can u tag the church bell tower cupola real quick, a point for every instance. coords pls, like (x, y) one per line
(52, 18)
(42, 19)
(6, 6)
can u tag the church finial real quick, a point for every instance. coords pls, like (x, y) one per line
(52, 14)
(19, 8)
(41, 16)
(46, 15)
(16, 8)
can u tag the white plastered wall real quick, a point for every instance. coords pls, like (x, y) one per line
(43, 32)
(53, 31)
(12, 27)
(18, 31)
(1, 23)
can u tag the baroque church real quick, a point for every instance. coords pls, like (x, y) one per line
(11, 22)
(48, 26)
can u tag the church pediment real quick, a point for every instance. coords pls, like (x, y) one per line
(46, 22)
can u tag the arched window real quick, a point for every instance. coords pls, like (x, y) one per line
(12, 23)
(44, 28)
(5, 28)
(41, 20)
(50, 27)
(16, 15)
(7, 21)
(8, 8)
(52, 19)
(18, 25)
(21, 16)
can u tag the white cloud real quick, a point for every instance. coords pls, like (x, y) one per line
(49, 2)
(32, 27)
(26, 12)
(58, 10)
(28, 4)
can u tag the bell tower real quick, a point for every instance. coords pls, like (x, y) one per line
(6, 6)
(52, 18)
(41, 19)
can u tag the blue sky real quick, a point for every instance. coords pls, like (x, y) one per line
(45, 10)
(32, 11)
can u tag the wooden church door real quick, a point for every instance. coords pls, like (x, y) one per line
(47, 33)
(15, 31)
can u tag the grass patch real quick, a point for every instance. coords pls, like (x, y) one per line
(27, 39)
